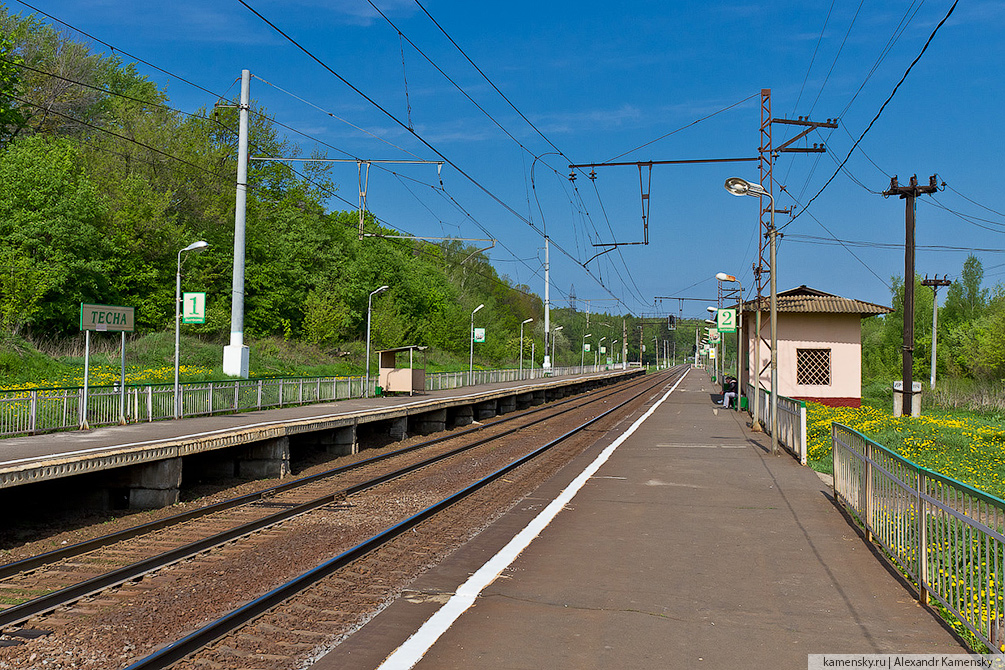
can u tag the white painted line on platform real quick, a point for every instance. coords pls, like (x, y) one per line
(415, 647)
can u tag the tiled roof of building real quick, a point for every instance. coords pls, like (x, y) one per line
(809, 300)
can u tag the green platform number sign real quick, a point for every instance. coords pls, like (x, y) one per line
(479, 334)
(193, 308)
(726, 320)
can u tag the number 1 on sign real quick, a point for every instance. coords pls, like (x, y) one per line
(193, 308)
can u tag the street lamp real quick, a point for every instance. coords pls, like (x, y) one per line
(715, 368)
(369, 306)
(522, 324)
(738, 186)
(553, 331)
(612, 351)
(471, 360)
(723, 277)
(195, 246)
(596, 358)
(582, 357)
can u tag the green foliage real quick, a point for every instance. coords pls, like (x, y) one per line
(101, 185)
(50, 219)
(11, 117)
(21, 362)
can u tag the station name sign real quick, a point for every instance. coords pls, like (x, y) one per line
(111, 318)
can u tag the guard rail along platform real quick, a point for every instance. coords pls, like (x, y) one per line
(791, 420)
(141, 465)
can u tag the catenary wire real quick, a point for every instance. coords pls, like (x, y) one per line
(876, 117)
(419, 137)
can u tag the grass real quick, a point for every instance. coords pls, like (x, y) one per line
(150, 360)
(967, 446)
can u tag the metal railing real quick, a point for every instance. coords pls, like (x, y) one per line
(34, 411)
(791, 420)
(947, 536)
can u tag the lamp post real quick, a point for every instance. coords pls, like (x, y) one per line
(471, 360)
(369, 306)
(195, 246)
(582, 357)
(738, 186)
(713, 322)
(596, 358)
(554, 330)
(612, 351)
(713, 345)
(723, 277)
(522, 324)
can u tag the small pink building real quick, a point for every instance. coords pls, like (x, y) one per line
(819, 345)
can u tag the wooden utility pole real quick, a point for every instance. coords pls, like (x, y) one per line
(935, 284)
(909, 193)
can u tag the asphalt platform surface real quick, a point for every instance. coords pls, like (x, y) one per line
(690, 547)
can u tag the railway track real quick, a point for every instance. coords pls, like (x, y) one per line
(345, 522)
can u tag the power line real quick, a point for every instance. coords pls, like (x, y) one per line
(845, 246)
(115, 49)
(837, 55)
(188, 163)
(486, 78)
(415, 134)
(878, 114)
(893, 246)
(483, 110)
(813, 58)
(685, 126)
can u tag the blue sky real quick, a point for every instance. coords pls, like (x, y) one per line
(597, 80)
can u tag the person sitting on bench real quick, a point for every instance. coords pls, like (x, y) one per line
(728, 391)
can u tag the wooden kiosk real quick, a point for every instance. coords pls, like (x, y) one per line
(401, 380)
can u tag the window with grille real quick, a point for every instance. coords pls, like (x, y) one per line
(813, 367)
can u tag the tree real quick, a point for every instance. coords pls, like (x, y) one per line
(965, 299)
(10, 88)
(50, 218)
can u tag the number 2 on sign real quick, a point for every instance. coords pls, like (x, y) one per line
(726, 320)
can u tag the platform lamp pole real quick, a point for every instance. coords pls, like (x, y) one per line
(471, 360)
(195, 246)
(369, 306)
(553, 331)
(738, 186)
(582, 357)
(522, 324)
(722, 276)
(715, 368)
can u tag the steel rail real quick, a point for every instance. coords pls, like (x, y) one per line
(48, 602)
(175, 651)
(35, 562)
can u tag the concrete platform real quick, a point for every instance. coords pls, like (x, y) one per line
(145, 459)
(690, 547)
